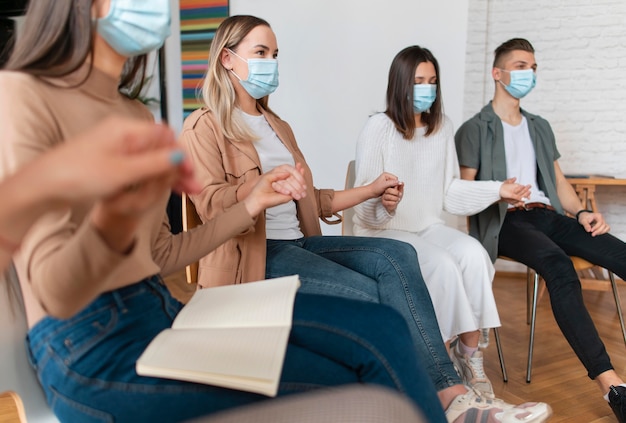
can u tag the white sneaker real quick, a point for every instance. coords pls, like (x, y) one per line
(472, 372)
(472, 408)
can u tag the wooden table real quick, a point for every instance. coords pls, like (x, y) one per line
(586, 188)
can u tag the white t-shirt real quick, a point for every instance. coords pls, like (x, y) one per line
(521, 161)
(281, 222)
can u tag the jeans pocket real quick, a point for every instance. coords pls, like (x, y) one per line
(84, 334)
(68, 410)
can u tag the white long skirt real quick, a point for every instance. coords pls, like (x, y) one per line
(458, 273)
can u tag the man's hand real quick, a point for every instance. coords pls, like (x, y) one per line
(593, 223)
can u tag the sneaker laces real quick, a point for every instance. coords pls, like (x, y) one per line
(475, 399)
(476, 363)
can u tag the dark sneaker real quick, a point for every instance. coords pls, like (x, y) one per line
(617, 401)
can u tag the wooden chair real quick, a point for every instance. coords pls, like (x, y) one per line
(190, 221)
(11, 408)
(346, 229)
(348, 214)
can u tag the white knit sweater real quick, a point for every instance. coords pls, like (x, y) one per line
(429, 168)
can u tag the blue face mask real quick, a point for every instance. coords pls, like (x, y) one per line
(262, 76)
(424, 96)
(134, 27)
(522, 82)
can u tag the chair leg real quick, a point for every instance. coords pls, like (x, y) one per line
(529, 291)
(496, 335)
(618, 304)
(533, 321)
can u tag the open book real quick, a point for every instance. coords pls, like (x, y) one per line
(232, 336)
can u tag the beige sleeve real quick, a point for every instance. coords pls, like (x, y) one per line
(174, 252)
(28, 126)
(57, 253)
(217, 194)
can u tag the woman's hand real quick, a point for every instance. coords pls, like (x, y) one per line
(280, 185)
(514, 193)
(118, 216)
(392, 196)
(294, 185)
(130, 165)
(382, 183)
(115, 154)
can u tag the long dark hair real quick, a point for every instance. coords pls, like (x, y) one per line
(400, 92)
(56, 40)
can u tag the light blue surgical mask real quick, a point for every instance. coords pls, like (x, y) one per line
(134, 27)
(522, 82)
(424, 96)
(262, 76)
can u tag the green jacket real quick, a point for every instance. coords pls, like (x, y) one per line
(480, 145)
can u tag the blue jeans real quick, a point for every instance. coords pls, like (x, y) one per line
(543, 240)
(377, 270)
(86, 364)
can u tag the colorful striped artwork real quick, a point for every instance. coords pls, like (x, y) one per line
(198, 21)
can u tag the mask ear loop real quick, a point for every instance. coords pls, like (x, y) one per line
(231, 69)
(500, 80)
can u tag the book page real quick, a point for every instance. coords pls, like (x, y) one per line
(244, 358)
(254, 304)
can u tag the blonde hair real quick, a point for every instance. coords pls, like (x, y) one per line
(218, 93)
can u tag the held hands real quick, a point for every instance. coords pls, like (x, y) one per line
(593, 223)
(514, 193)
(115, 156)
(282, 184)
(131, 166)
(389, 189)
(294, 185)
(392, 196)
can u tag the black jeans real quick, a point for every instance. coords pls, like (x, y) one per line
(543, 240)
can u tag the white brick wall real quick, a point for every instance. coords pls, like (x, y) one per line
(581, 81)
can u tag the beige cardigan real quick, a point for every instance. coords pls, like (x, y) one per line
(222, 165)
(63, 247)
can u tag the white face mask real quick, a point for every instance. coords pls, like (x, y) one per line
(424, 96)
(262, 76)
(522, 82)
(134, 27)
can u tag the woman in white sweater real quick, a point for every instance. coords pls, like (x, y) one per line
(414, 140)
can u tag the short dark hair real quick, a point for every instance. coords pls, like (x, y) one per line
(508, 46)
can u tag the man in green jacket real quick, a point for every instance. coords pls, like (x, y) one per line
(504, 141)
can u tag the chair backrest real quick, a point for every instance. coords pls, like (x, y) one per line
(348, 214)
(190, 221)
(11, 408)
(16, 374)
